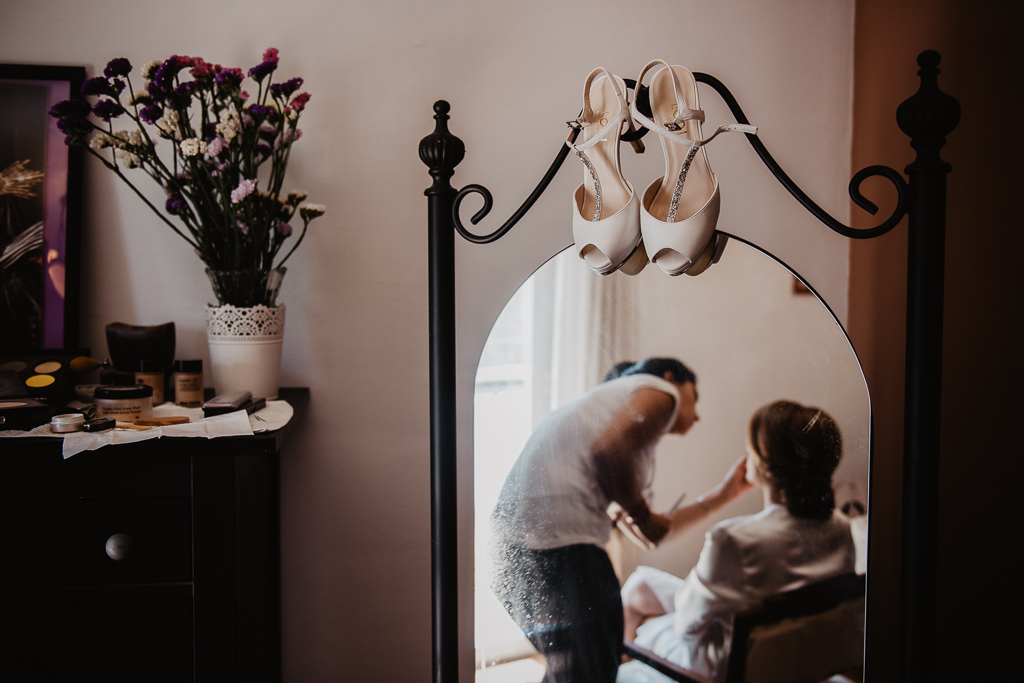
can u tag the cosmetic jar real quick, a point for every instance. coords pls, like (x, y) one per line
(124, 403)
(188, 383)
(151, 373)
(64, 424)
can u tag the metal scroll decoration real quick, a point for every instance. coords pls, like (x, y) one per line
(927, 118)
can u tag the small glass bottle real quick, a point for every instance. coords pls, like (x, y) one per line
(188, 383)
(151, 373)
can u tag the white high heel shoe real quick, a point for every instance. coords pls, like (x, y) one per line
(606, 210)
(679, 211)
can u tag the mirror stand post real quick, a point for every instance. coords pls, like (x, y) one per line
(927, 118)
(442, 152)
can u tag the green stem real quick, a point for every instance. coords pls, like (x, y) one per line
(117, 170)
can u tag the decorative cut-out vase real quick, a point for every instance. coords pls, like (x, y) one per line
(246, 340)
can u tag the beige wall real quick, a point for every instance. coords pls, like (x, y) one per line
(355, 496)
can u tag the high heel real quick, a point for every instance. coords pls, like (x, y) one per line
(679, 211)
(606, 210)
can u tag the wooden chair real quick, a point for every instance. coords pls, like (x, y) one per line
(802, 636)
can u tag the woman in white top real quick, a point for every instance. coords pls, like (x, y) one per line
(551, 522)
(797, 539)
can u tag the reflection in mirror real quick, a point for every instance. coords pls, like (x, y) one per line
(753, 336)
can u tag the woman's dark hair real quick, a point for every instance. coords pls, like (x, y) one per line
(659, 367)
(617, 370)
(800, 448)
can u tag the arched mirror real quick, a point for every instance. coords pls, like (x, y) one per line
(751, 332)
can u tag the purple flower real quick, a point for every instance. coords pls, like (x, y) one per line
(263, 149)
(118, 85)
(75, 107)
(107, 109)
(284, 230)
(156, 91)
(287, 88)
(98, 85)
(176, 205)
(117, 67)
(151, 114)
(262, 70)
(229, 78)
(244, 189)
(168, 71)
(260, 110)
(73, 126)
(243, 227)
(247, 121)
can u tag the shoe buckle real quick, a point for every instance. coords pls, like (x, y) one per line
(576, 124)
(673, 126)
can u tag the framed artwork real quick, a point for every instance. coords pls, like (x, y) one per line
(40, 207)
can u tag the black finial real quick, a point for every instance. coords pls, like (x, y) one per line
(441, 151)
(929, 115)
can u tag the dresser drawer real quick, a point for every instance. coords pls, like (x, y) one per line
(64, 542)
(143, 640)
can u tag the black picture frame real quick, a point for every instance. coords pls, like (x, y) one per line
(39, 234)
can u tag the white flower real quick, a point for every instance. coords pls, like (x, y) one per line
(100, 141)
(130, 137)
(168, 123)
(149, 68)
(121, 141)
(292, 115)
(229, 124)
(311, 211)
(128, 159)
(133, 99)
(192, 147)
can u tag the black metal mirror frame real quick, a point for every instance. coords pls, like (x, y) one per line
(927, 118)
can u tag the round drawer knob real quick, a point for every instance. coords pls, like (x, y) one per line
(119, 547)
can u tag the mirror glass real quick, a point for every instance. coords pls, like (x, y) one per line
(753, 335)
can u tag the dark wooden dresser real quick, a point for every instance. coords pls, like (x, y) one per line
(195, 592)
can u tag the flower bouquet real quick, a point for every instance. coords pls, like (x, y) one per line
(219, 137)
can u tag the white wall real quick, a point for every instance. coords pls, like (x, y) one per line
(355, 496)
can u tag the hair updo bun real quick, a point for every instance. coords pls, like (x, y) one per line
(800, 448)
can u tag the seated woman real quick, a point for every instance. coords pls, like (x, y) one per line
(797, 539)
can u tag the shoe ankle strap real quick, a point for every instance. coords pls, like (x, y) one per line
(684, 113)
(588, 112)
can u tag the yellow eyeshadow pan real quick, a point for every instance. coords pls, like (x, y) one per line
(48, 367)
(13, 366)
(38, 381)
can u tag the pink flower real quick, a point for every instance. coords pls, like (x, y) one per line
(244, 189)
(270, 55)
(299, 103)
(216, 146)
(243, 227)
(284, 229)
(244, 95)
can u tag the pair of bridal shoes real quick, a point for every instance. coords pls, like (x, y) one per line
(675, 218)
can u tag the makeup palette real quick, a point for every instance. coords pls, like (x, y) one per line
(41, 376)
(33, 385)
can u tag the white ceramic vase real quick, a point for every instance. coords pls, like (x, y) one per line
(245, 348)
